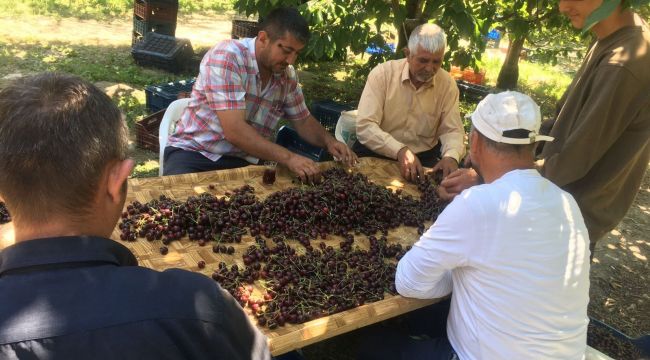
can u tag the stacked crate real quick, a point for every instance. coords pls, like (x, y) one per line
(158, 16)
(244, 29)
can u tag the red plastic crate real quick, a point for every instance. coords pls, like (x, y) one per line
(159, 11)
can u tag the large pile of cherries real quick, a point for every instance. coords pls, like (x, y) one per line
(4, 214)
(304, 282)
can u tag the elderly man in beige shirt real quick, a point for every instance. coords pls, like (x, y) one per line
(409, 109)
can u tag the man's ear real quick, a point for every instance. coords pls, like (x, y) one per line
(475, 143)
(263, 37)
(407, 52)
(118, 173)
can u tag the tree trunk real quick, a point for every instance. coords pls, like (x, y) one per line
(413, 19)
(509, 74)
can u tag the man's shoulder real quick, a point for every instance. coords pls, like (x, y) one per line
(177, 279)
(629, 50)
(390, 67)
(234, 49)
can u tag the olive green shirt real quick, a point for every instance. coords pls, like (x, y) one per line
(602, 148)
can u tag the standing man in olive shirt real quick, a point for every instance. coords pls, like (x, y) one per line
(409, 109)
(602, 130)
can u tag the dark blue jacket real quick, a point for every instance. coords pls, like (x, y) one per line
(86, 298)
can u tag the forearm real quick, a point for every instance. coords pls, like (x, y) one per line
(246, 138)
(374, 138)
(452, 145)
(451, 131)
(433, 284)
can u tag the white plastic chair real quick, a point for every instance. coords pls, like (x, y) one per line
(167, 125)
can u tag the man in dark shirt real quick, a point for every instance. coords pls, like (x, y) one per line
(68, 292)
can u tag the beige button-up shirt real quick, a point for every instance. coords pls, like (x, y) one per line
(393, 113)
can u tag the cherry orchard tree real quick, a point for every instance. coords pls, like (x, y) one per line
(539, 24)
(339, 25)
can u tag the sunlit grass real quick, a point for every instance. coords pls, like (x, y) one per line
(544, 83)
(101, 9)
(146, 169)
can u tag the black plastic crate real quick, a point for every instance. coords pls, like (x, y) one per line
(156, 10)
(160, 96)
(142, 26)
(163, 51)
(290, 139)
(327, 112)
(244, 29)
(471, 92)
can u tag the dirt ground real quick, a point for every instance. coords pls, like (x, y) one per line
(620, 274)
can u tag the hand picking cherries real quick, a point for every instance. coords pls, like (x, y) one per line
(299, 284)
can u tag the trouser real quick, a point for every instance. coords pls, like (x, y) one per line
(178, 161)
(420, 334)
(428, 158)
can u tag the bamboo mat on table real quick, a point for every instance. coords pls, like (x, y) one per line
(186, 254)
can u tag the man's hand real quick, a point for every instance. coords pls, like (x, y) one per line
(409, 164)
(342, 152)
(305, 169)
(447, 165)
(456, 182)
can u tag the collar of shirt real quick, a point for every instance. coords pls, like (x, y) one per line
(56, 252)
(250, 45)
(406, 76)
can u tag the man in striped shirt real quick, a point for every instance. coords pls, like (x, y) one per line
(243, 89)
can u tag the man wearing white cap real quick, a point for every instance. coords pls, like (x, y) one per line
(514, 250)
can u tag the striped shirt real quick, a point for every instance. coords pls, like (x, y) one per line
(229, 79)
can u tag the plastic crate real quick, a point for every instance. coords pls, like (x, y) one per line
(156, 10)
(160, 96)
(290, 139)
(142, 26)
(471, 92)
(162, 51)
(146, 131)
(244, 29)
(327, 112)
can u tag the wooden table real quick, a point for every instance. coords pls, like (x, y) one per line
(186, 255)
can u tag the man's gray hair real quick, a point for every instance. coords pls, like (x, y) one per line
(429, 37)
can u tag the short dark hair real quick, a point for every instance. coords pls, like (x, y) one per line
(285, 19)
(57, 134)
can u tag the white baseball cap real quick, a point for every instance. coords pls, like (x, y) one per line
(509, 117)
